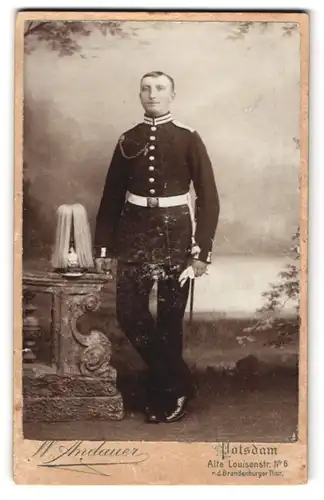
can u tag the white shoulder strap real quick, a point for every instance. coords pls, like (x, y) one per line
(181, 125)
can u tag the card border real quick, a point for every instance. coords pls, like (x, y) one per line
(25, 471)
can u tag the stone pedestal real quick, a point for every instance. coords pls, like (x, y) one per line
(81, 383)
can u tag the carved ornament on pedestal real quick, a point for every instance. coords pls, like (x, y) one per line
(81, 383)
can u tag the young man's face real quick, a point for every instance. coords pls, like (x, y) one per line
(156, 95)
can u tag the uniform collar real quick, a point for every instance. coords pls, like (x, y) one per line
(159, 120)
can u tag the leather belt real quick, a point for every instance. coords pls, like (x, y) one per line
(152, 202)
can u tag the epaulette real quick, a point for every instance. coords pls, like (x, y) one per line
(133, 149)
(181, 125)
(128, 132)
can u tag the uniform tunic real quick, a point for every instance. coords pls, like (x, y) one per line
(157, 158)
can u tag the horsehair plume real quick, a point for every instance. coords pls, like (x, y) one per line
(62, 239)
(82, 236)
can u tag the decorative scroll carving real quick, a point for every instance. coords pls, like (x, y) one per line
(81, 383)
(78, 306)
(95, 359)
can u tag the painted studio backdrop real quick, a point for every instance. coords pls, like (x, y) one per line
(238, 85)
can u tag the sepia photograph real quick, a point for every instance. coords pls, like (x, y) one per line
(161, 232)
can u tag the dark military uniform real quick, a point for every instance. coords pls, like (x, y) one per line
(157, 158)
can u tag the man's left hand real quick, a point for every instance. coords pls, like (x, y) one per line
(199, 267)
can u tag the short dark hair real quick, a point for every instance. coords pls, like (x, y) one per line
(155, 74)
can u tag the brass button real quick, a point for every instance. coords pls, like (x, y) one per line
(151, 167)
(151, 179)
(152, 147)
(152, 191)
(152, 158)
(153, 129)
(152, 138)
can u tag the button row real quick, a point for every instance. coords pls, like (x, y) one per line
(152, 158)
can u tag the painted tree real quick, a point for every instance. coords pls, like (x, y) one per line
(64, 36)
(242, 28)
(286, 289)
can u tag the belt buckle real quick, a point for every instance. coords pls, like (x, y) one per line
(152, 202)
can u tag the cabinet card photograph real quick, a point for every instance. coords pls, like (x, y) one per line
(161, 166)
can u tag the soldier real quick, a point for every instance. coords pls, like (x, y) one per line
(145, 221)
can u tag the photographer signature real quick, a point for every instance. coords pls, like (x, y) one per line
(86, 459)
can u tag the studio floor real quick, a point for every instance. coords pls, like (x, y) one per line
(228, 407)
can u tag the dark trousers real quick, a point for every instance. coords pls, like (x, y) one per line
(159, 342)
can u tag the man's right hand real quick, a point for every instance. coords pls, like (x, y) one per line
(104, 265)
